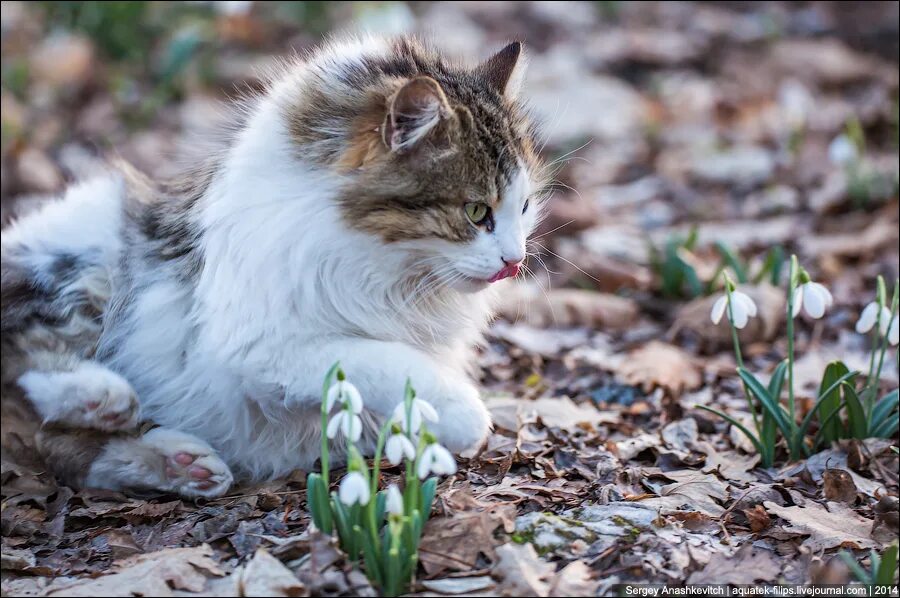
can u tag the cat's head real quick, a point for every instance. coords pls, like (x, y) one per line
(441, 161)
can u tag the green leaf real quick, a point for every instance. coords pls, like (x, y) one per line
(427, 497)
(812, 412)
(856, 415)
(887, 428)
(829, 399)
(885, 574)
(328, 378)
(884, 407)
(312, 483)
(858, 572)
(768, 403)
(732, 261)
(370, 554)
(776, 383)
(737, 425)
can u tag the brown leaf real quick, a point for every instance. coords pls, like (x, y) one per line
(153, 510)
(746, 566)
(839, 486)
(731, 465)
(693, 490)
(520, 572)
(659, 364)
(154, 574)
(567, 308)
(454, 542)
(853, 244)
(693, 318)
(264, 575)
(758, 517)
(835, 526)
(575, 579)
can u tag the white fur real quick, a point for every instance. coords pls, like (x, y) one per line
(150, 462)
(287, 289)
(89, 396)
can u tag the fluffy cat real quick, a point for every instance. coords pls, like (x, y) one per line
(360, 211)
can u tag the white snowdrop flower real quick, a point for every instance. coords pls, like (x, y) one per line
(394, 501)
(397, 447)
(418, 411)
(894, 333)
(436, 459)
(354, 489)
(742, 309)
(344, 392)
(813, 298)
(349, 424)
(842, 150)
(869, 316)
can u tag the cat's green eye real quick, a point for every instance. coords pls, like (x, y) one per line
(477, 212)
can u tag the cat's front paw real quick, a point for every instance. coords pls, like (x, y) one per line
(191, 467)
(464, 420)
(90, 396)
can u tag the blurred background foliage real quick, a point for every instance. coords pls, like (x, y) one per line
(673, 124)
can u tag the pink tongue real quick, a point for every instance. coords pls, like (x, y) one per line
(506, 272)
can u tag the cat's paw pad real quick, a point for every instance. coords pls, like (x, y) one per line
(90, 396)
(110, 407)
(192, 469)
(196, 475)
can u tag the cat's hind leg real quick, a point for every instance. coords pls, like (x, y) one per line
(85, 394)
(162, 460)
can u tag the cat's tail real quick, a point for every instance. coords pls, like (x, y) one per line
(55, 277)
(71, 413)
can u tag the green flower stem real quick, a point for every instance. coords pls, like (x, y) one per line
(869, 390)
(373, 486)
(325, 386)
(737, 353)
(884, 341)
(792, 285)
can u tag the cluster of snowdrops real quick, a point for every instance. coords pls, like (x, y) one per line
(846, 406)
(381, 528)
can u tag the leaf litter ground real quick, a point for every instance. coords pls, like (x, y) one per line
(601, 468)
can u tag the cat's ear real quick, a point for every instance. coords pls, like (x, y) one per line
(505, 70)
(415, 110)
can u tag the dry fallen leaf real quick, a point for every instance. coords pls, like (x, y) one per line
(835, 526)
(697, 490)
(758, 518)
(567, 308)
(731, 465)
(264, 575)
(575, 579)
(454, 542)
(745, 567)
(659, 364)
(693, 318)
(520, 572)
(839, 486)
(153, 574)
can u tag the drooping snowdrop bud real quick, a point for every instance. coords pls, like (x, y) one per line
(394, 501)
(870, 315)
(418, 411)
(842, 151)
(894, 333)
(813, 298)
(436, 459)
(354, 489)
(346, 394)
(742, 309)
(349, 424)
(397, 447)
